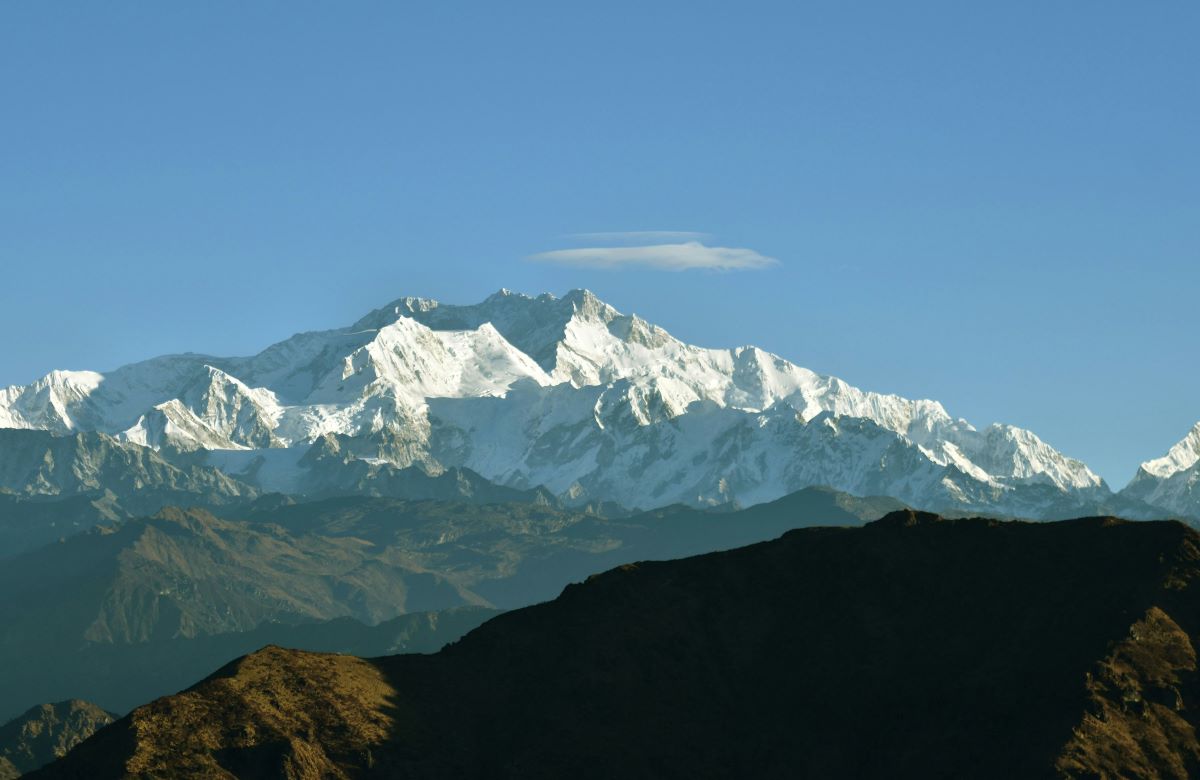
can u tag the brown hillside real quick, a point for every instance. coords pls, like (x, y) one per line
(913, 647)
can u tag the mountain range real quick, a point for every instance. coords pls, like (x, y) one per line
(913, 647)
(562, 395)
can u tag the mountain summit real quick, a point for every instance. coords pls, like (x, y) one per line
(1172, 481)
(566, 393)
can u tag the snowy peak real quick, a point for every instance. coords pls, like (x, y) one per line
(229, 405)
(1019, 456)
(51, 403)
(410, 361)
(586, 305)
(174, 426)
(413, 308)
(1171, 482)
(213, 411)
(1181, 457)
(535, 326)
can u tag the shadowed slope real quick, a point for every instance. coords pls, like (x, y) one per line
(914, 647)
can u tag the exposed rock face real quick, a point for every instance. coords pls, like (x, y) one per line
(46, 733)
(913, 647)
(1135, 718)
(38, 464)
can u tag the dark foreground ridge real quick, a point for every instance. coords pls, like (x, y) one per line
(913, 647)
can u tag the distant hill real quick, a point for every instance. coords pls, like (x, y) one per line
(26, 524)
(45, 733)
(914, 647)
(138, 608)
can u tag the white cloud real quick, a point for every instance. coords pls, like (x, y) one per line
(667, 257)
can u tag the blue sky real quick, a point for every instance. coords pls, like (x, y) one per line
(993, 206)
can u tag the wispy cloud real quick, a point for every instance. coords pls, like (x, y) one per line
(668, 257)
(641, 236)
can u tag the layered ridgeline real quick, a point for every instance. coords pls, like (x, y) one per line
(127, 612)
(562, 393)
(53, 486)
(912, 648)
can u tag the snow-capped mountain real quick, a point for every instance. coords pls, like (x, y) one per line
(1171, 482)
(567, 393)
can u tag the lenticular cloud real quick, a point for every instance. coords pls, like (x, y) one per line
(667, 257)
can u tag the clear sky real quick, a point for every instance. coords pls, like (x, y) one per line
(996, 205)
